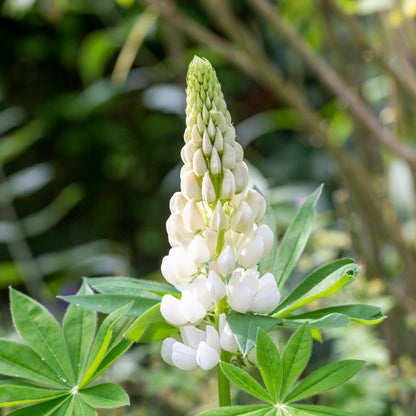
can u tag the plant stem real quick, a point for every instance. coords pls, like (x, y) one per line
(224, 394)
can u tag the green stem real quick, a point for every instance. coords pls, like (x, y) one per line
(224, 394)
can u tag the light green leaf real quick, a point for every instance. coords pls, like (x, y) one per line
(67, 407)
(245, 382)
(45, 408)
(325, 378)
(13, 393)
(321, 283)
(41, 332)
(19, 360)
(270, 363)
(109, 303)
(105, 395)
(295, 357)
(235, 410)
(79, 327)
(363, 314)
(129, 286)
(245, 327)
(311, 410)
(295, 239)
(82, 409)
(333, 320)
(101, 343)
(151, 326)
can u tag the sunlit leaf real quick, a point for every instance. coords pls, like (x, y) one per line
(237, 410)
(311, 410)
(105, 395)
(47, 408)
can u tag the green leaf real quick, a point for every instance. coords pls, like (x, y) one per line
(235, 410)
(325, 378)
(67, 407)
(245, 327)
(13, 393)
(129, 286)
(311, 410)
(79, 327)
(105, 395)
(101, 343)
(270, 363)
(295, 239)
(151, 326)
(333, 320)
(82, 409)
(245, 382)
(363, 314)
(109, 303)
(295, 357)
(45, 408)
(41, 332)
(322, 282)
(19, 360)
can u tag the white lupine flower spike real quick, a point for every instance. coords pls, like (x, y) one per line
(216, 243)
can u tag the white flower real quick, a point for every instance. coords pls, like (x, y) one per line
(226, 261)
(215, 286)
(251, 253)
(227, 338)
(177, 268)
(198, 251)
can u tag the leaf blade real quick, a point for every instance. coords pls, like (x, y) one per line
(46, 408)
(234, 410)
(106, 395)
(314, 410)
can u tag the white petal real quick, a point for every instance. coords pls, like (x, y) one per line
(228, 157)
(191, 308)
(240, 173)
(212, 338)
(167, 348)
(171, 312)
(215, 162)
(267, 297)
(257, 204)
(192, 217)
(198, 163)
(198, 251)
(206, 143)
(267, 236)
(177, 268)
(227, 338)
(243, 219)
(200, 288)
(228, 185)
(211, 240)
(226, 261)
(190, 186)
(239, 296)
(252, 253)
(206, 356)
(208, 190)
(215, 286)
(184, 357)
(177, 202)
(178, 234)
(219, 221)
(192, 336)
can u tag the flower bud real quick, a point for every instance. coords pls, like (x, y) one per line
(238, 151)
(208, 190)
(177, 268)
(267, 236)
(200, 123)
(187, 136)
(219, 220)
(206, 356)
(215, 163)
(206, 144)
(243, 219)
(228, 185)
(239, 295)
(211, 240)
(229, 135)
(192, 217)
(267, 297)
(166, 350)
(252, 253)
(184, 357)
(171, 311)
(198, 251)
(196, 136)
(257, 204)
(240, 173)
(198, 163)
(215, 286)
(177, 202)
(219, 140)
(187, 152)
(190, 186)
(211, 129)
(177, 233)
(227, 338)
(226, 261)
(228, 157)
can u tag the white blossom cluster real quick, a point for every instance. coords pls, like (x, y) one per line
(216, 243)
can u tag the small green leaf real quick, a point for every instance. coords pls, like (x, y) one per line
(79, 327)
(151, 326)
(105, 395)
(312, 410)
(325, 378)
(13, 393)
(236, 411)
(41, 331)
(245, 327)
(101, 343)
(67, 407)
(321, 283)
(19, 360)
(363, 314)
(45, 408)
(82, 409)
(333, 320)
(245, 382)
(129, 286)
(270, 363)
(295, 357)
(110, 303)
(295, 239)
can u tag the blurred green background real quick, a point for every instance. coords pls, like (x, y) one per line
(320, 91)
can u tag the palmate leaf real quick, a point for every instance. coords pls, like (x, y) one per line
(312, 410)
(238, 410)
(107, 395)
(45, 408)
(83, 409)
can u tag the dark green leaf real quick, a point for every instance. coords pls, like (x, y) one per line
(270, 363)
(13, 393)
(82, 409)
(110, 303)
(325, 378)
(311, 410)
(151, 326)
(106, 395)
(363, 314)
(67, 408)
(322, 282)
(295, 357)
(334, 320)
(19, 360)
(245, 382)
(235, 410)
(295, 239)
(45, 408)
(245, 327)
(79, 327)
(41, 331)
(129, 286)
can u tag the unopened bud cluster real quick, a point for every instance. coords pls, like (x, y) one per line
(216, 244)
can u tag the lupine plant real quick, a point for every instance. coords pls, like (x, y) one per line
(225, 273)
